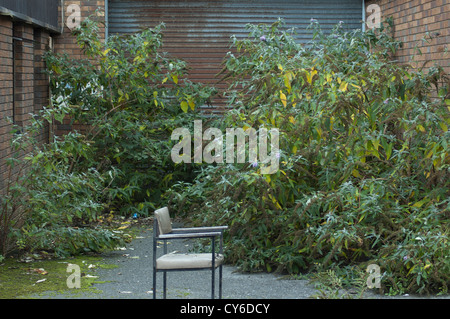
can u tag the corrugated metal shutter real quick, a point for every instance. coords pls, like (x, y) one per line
(199, 31)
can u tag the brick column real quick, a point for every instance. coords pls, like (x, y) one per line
(41, 90)
(23, 73)
(6, 94)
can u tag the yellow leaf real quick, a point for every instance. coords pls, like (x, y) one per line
(287, 81)
(123, 227)
(283, 98)
(280, 67)
(421, 128)
(191, 104)
(436, 162)
(294, 149)
(319, 131)
(356, 173)
(412, 268)
(292, 119)
(420, 203)
(310, 75)
(165, 79)
(277, 204)
(343, 86)
(106, 52)
(175, 78)
(184, 106)
(376, 144)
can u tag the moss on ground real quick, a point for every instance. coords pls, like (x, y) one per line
(28, 279)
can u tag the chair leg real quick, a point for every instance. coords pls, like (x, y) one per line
(220, 282)
(213, 277)
(154, 283)
(165, 284)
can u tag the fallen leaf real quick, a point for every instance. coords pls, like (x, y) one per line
(41, 271)
(41, 280)
(27, 259)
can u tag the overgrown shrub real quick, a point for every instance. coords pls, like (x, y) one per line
(46, 206)
(127, 95)
(364, 161)
(132, 95)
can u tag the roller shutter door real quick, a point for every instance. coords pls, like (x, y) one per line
(199, 31)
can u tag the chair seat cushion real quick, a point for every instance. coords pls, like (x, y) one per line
(187, 261)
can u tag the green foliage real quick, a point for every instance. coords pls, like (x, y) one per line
(47, 207)
(364, 163)
(331, 284)
(129, 95)
(132, 96)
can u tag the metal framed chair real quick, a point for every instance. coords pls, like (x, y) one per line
(163, 231)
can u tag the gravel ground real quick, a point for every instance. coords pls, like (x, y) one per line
(132, 279)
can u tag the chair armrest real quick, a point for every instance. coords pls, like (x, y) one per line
(189, 235)
(199, 229)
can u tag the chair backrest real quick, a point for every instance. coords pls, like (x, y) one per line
(163, 218)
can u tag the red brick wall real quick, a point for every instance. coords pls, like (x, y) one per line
(24, 74)
(23, 86)
(66, 42)
(6, 92)
(41, 89)
(412, 20)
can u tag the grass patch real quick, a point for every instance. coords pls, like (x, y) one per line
(29, 279)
